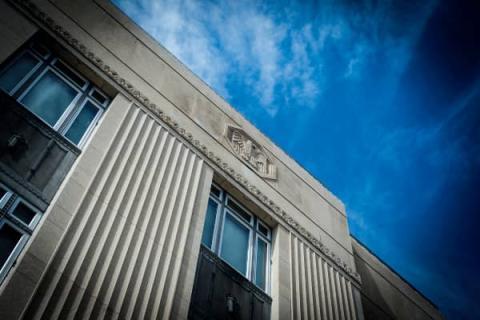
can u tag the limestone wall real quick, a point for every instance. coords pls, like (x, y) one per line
(319, 291)
(96, 228)
(185, 99)
(125, 227)
(387, 296)
(121, 237)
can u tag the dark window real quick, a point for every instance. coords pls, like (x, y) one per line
(238, 237)
(17, 222)
(99, 97)
(54, 92)
(215, 191)
(209, 226)
(24, 213)
(70, 74)
(9, 239)
(239, 210)
(2, 193)
(82, 122)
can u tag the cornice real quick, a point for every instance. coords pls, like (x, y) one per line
(53, 26)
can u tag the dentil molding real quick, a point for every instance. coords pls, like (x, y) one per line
(53, 26)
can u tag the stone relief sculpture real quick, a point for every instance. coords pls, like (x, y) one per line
(250, 152)
(133, 91)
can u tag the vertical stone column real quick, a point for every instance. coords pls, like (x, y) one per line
(357, 297)
(280, 275)
(318, 289)
(121, 237)
(183, 293)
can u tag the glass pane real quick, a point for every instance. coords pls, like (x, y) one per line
(9, 238)
(17, 71)
(41, 50)
(2, 193)
(69, 73)
(82, 122)
(261, 267)
(262, 229)
(209, 225)
(49, 97)
(215, 191)
(235, 244)
(24, 213)
(239, 210)
(98, 96)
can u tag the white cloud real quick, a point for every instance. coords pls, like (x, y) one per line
(221, 40)
(277, 55)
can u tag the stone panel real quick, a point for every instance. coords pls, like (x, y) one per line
(15, 30)
(318, 289)
(385, 294)
(192, 106)
(123, 240)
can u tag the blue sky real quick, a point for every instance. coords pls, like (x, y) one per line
(379, 100)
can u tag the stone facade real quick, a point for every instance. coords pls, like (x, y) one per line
(121, 236)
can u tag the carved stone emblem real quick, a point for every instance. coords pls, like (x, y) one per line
(51, 24)
(250, 152)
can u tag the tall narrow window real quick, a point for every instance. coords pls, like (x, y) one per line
(261, 263)
(82, 122)
(9, 239)
(17, 221)
(209, 226)
(235, 243)
(241, 239)
(54, 92)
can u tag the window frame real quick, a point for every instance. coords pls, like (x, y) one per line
(248, 269)
(90, 95)
(35, 220)
(7, 206)
(254, 235)
(17, 250)
(35, 45)
(268, 262)
(68, 110)
(29, 74)
(83, 88)
(49, 62)
(73, 116)
(216, 224)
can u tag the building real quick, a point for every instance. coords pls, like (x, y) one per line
(130, 190)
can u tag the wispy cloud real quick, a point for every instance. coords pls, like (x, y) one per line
(330, 74)
(190, 40)
(278, 55)
(219, 41)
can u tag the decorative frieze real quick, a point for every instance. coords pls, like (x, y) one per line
(128, 87)
(250, 152)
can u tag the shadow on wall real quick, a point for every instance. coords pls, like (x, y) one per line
(373, 309)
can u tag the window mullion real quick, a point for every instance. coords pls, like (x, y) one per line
(14, 221)
(253, 262)
(254, 238)
(58, 107)
(30, 79)
(218, 228)
(71, 112)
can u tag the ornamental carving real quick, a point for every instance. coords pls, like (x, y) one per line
(50, 24)
(250, 152)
